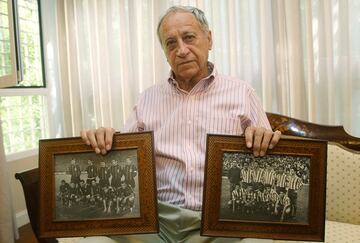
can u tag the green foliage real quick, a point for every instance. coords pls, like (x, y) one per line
(21, 122)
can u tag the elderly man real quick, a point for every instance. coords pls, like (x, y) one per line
(195, 100)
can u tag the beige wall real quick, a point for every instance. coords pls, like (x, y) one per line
(16, 189)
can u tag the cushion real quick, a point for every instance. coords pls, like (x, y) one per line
(336, 232)
(343, 185)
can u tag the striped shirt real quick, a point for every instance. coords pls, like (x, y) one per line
(281, 180)
(294, 182)
(258, 174)
(180, 121)
(265, 196)
(246, 175)
(273, 196)
(269, 177)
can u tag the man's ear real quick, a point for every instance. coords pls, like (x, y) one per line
(209, 37)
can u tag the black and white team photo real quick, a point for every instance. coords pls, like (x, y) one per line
(272, 188)
(88, 186)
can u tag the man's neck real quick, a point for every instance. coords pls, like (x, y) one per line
(189, 84)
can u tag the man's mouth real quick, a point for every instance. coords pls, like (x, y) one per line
(182, 63)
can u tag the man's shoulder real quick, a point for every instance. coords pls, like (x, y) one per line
(233, 82)
(161, 86)
(155, 89)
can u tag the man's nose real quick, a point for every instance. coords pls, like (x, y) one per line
(182, 50)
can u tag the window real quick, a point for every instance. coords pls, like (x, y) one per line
(23, 107)
(7, 45)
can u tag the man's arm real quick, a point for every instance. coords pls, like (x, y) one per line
(101, 139)
(258, 133)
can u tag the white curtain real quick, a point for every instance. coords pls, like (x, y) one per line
(302, 57)
(8, 230)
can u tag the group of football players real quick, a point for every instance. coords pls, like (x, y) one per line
(109, 188)
(268, 190)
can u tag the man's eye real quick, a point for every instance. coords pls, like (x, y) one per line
(170, 44)
(189, 37)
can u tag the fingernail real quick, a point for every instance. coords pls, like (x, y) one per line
(97, 150)
(103, 151)
(248, 145)
(262, 153)
(271, 146)
(256, 154)
(87, 142)
(108, 147)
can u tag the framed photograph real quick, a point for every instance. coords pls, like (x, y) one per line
(278, 196)
(83, 193)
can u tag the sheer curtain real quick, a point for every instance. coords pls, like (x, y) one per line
(302, 57)
(8, 230)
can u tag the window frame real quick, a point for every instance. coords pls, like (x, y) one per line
(16, 34)
(29, 92)
(32, 90)
(11, 79)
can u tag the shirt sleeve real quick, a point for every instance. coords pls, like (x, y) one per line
(256, 114)
(132, 123)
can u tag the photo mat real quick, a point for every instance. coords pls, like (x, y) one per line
(274, 188)
(91, 186)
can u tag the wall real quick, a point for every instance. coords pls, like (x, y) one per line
(16, 189)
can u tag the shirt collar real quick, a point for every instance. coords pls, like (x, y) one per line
(202, 85)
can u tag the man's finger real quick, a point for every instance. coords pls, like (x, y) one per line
(100, 138)
(268, 134)
(94, 144)
(109, 134)
(84, 137)
(249, 136)
(275, 139)
(258, 137)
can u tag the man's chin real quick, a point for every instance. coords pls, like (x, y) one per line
(186, 76)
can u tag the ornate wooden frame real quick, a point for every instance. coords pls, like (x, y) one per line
(147, 222)
(313, 229)
(295, 127)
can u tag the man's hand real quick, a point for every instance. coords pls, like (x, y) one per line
(261, 139)
(100, 139)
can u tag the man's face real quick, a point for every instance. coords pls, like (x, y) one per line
(281, 170)
(186, 46)
(292, 172)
